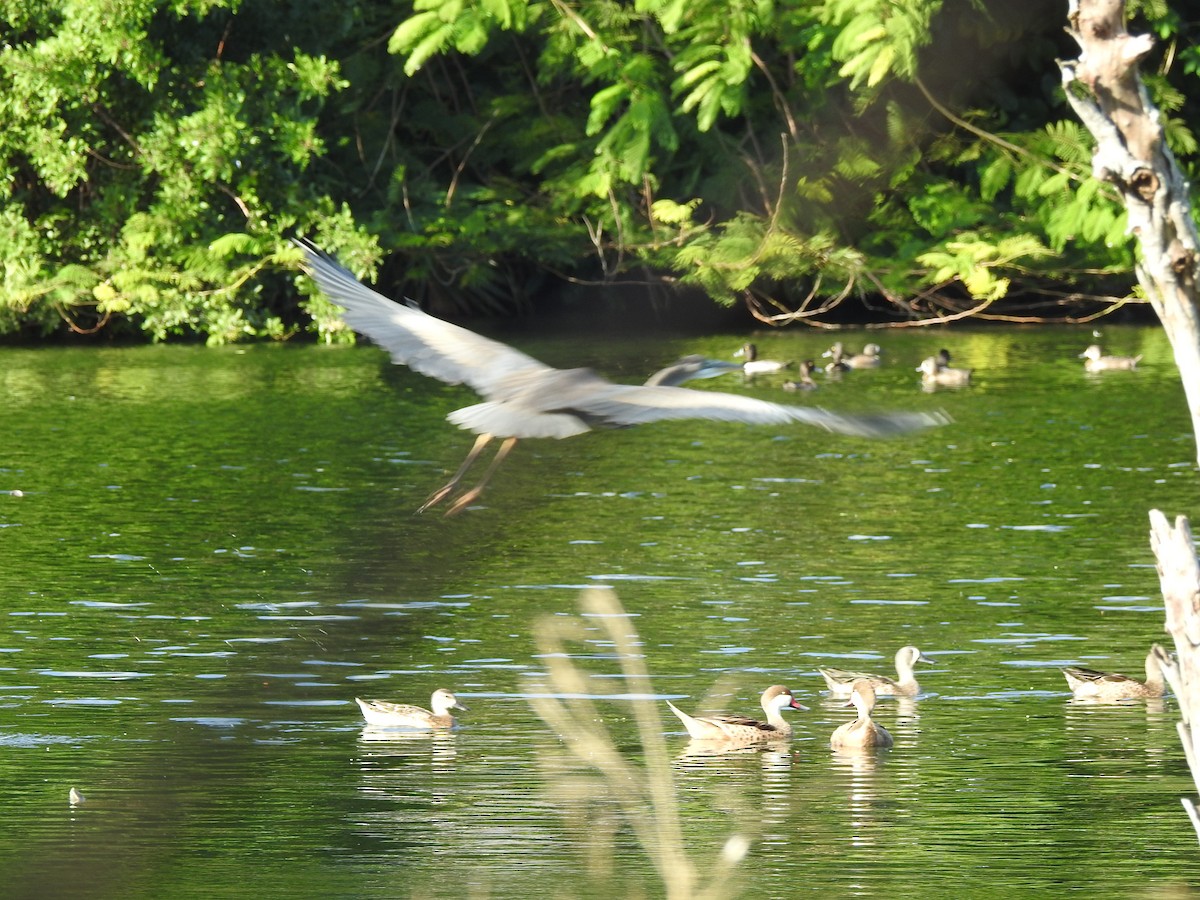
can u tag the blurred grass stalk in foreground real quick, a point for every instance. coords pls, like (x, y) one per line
(645, 795)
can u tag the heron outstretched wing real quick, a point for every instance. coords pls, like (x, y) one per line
(561, 403)
(621, 404)
(530, 399)
(422, 342)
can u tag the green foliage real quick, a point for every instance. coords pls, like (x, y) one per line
(878, 39)
(729, 260)
(156, 152)
(975, 260)
(655, 142)
(144, 180)
(442, 25)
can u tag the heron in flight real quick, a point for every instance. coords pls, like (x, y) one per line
(524, 398)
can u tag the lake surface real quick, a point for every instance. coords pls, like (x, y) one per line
(207, 554)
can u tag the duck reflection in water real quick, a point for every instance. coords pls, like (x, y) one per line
(524, 398)
(397, 742)
(870, 798)
(700, 750)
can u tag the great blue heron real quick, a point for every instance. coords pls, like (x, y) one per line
(528, 399)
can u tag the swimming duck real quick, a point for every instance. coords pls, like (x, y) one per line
(805, 381)
(934, 373)
(1094, 360)
(755, 366)
(383, 714)
(841, 681)
(775, 699)
(863, 731)
(1108, 687)
(837, 360)
(869, 358)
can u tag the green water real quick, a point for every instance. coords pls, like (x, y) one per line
(213, 551)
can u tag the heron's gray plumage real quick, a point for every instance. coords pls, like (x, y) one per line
(413, 338)
(525, 398)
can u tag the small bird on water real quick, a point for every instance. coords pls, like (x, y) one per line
(864, 731)
(741, 729)
(1110, 687)
(1094, 360)
(936, 373)
(384, 714)
(805, 382)
(755, 366)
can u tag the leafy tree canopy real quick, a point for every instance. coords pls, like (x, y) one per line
(785, 155)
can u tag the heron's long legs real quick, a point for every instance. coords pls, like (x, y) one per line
(468, 497)
(441, 493)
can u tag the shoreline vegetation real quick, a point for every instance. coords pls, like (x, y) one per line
(893, 163)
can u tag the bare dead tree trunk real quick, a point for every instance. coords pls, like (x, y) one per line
(1105, 90)
(1179, 577)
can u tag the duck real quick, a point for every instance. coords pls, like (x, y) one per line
(934, 373)
(863, 731)
(741, 729)
(755, 366)
(837, 360)
(869, 358)
(1094, 360)
(1109, 687)
(805, 381)
(383, 714)
(841, 682)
